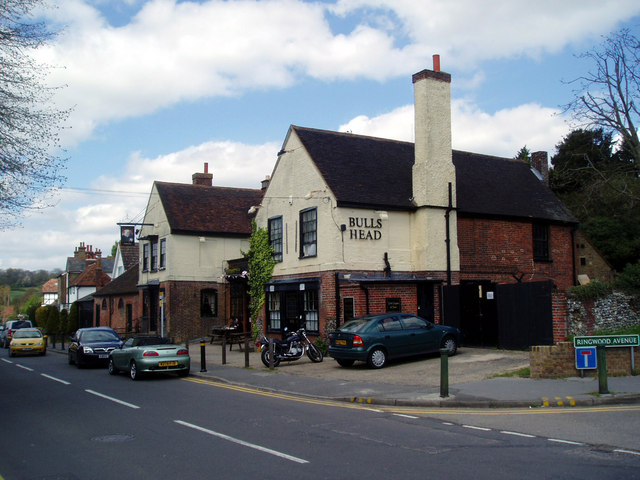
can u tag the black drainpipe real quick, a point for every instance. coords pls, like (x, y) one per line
(366, 296)
(448, 236)
(338, 310)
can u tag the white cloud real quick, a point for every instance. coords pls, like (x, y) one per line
(502, 133)
(172, 52)
(91, 216)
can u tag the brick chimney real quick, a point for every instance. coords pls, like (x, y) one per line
(205, 178)
(540, 161)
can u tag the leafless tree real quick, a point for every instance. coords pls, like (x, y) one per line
(30, 161)
(608, 95)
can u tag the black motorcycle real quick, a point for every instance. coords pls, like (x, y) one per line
(291, 348)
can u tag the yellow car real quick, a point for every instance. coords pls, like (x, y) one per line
(27, 340)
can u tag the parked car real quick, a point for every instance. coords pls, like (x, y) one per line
(149, 354)
(10, 327)
(27, 341)
(91, 346)
(376, 338)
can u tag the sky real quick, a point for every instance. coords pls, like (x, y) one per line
(160, 87)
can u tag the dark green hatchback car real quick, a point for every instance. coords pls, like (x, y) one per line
(376, 338)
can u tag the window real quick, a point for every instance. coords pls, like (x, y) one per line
(275, 237)
(145, 257)
(311, 310)
(274, 310)
(154, 256)
(540, 242)
(583, 261)
(209, 303)
(308, 233)
(163, 254)
(104, 303)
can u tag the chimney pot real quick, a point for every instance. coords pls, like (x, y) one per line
(206, 167)
(436, 63)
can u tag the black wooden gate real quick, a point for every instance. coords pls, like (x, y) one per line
(516, 315)
(525, 314)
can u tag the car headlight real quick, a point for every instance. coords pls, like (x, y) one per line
(87, 350)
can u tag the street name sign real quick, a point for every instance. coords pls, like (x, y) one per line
(607, 341)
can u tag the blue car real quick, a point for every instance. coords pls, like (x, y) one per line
(376, 338)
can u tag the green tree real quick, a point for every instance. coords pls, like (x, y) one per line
(600, 187)
(53, 319)
(29, 124)
(261, 263)
(64, 322)
(30, 306)
(40, 317)
(523, 154)
(73, 317)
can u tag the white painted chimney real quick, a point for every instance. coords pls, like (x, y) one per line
(433, 169)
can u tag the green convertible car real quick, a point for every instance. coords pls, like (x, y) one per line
(149, 354)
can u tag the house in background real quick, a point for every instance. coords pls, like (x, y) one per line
(50, 292)
(188, 234)
(368, 225)
(590, 264)
(83, 287)
(83, 257)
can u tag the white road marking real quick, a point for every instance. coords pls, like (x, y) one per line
(472, 427)
(6, 361)
(130, 405)
(55, 379)
(405, 416)
(631, 452)
(242, 442)
(568, 442)
(24, 368)
(517, 434)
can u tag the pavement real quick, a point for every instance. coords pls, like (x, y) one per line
(476, 380)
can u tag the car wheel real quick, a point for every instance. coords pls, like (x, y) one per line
(133, 371)
(377, 358)
(450, 344)
(112, 367)
(183, 373)
(70, 358)
(10, 353)
(344, 363)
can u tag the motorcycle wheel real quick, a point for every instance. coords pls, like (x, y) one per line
(314, 353)
(265, 358)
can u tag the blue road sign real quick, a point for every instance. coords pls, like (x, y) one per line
(586, 358)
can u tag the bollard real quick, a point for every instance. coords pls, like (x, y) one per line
(246, 352)
(271, 352)
(53, 336)
(224, 350)
(203, 357)
(603, 389)
(444, 372)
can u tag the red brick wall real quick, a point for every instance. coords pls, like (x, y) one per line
(112, 316)
(502, 250)
(182, 309)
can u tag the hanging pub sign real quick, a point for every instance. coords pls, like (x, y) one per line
(127, 235)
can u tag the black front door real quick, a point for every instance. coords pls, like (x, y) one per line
(478, 313)
(425, 301)
(291, 311)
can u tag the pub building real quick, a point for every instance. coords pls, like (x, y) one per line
(364, 225)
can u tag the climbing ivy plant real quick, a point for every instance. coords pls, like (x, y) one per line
(261, 263)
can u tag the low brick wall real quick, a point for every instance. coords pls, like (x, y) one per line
(557, 361)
